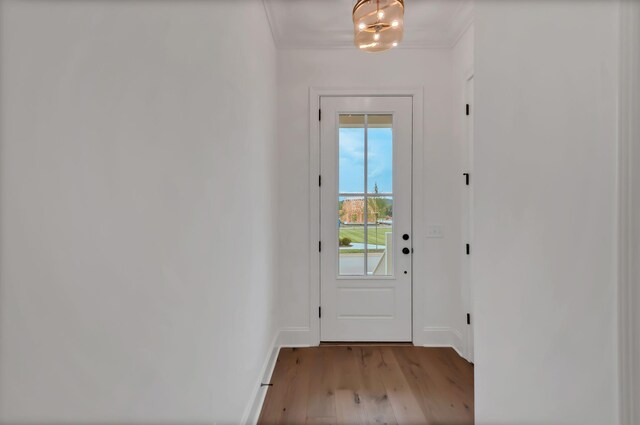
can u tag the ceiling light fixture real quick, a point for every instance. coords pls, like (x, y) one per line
(378, 24)
(367, 46)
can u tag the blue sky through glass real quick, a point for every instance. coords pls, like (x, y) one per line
(351, 164)
(380, 153)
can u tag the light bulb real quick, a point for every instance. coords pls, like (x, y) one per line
(366, 46)
(370, 21)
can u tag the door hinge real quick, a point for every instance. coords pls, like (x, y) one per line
(468, 319)
(319, 180)
(319, 312)
(468, 109)
(319, 114)
(468, 249)
(466, 178)
(319, 246)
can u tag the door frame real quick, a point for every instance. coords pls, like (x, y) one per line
(468, 192)
(315, 94)
(628, 221)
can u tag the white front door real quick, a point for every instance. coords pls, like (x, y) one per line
(365, 218)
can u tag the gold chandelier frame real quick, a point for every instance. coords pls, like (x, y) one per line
(379, 25)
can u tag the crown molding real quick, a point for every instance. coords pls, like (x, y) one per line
(403, 46)
(272, 22)
(461, 21)
(458, 25)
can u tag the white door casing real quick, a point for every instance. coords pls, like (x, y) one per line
(467, 220)
(366, 296)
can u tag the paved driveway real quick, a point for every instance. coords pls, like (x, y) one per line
(353, 264)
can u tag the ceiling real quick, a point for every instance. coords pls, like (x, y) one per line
(317, 24)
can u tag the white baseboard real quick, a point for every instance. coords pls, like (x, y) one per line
(443, 337)
(301, 337)
(253, 409)
(286, 337)
(295, 337)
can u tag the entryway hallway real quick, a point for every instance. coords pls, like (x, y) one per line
(369, 384)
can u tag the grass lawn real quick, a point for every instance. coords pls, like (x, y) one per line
(360, 251)
(356, 234)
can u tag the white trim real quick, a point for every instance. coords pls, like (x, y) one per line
(438, 337)
(314, 216)
(459, 352)
(254, 407)
(314, 204)
(460, 22)
(469, 74)
(300, 336)
(295, 337)
(402, 46)
(272, 23)
(285, 337)
(628, 163)
(467, 283)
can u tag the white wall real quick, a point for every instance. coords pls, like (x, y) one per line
(546, 80)
(136, 210)
(437, 268)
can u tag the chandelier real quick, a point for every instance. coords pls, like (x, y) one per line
(378, 24)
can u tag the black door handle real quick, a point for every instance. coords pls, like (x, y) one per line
(405, 237)
(406, 250)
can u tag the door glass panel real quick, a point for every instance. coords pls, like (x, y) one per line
(351, 246)
(351, 154)
(365, 218)
(380, 235)
(379, 154)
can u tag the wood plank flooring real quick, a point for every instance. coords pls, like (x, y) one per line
(369, 384)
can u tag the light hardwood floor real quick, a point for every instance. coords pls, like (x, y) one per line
(370, 384)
